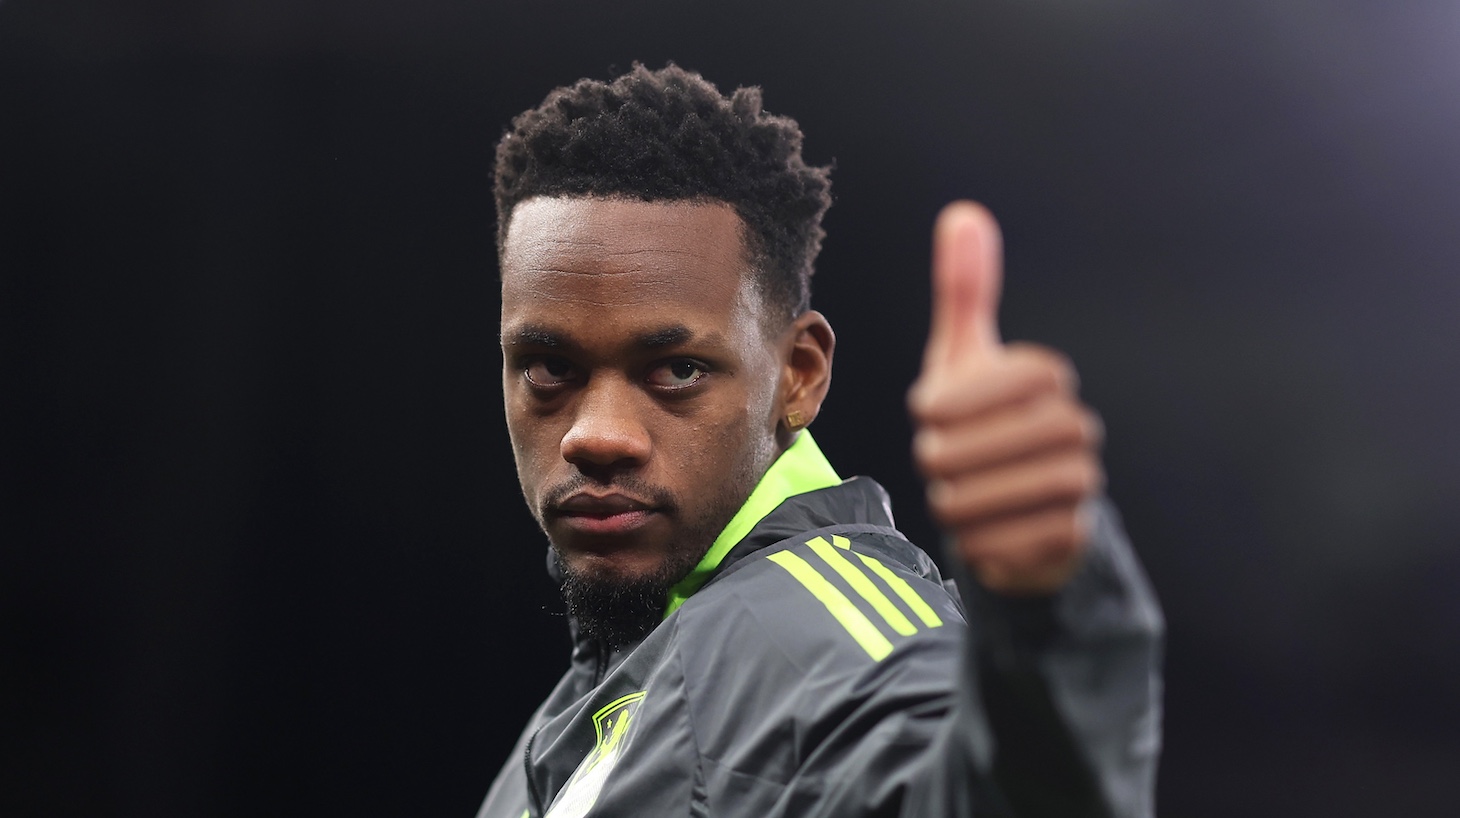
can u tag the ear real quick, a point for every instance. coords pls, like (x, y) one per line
(807, 348)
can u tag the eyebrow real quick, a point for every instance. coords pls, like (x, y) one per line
(536, 335)
(664, 337)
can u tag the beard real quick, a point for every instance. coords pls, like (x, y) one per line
(621, 610)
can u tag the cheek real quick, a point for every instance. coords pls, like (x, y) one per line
(744, 440)
(532, 443)
(761, 400)
(702, 442)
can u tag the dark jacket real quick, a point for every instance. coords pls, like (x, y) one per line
(825, 669)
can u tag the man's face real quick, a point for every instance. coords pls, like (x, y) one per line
(640, 389)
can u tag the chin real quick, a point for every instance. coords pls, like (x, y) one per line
(619, 565)
(613, 602)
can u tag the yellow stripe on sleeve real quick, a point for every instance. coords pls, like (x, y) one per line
(856, 623)
(899, 586)
(857, 578)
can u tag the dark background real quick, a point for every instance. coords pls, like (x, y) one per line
(264, 551)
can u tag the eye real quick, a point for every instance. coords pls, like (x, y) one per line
(678, 373)
(549, 372)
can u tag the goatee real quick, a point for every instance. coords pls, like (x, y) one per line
(621, 611)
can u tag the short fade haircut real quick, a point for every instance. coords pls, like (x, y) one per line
(670, 135)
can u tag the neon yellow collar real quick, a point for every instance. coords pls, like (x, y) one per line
(799, 469)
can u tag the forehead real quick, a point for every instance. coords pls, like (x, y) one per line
(591, 262)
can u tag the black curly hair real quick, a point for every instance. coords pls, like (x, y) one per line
(670, 135)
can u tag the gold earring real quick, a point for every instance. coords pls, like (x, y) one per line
(795, 420)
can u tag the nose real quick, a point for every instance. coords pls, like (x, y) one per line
(607, 430)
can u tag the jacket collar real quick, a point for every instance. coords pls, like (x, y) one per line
(800, 492)
(800, 468)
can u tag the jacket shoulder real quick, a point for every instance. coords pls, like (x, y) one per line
(805, 635)
(826, 601)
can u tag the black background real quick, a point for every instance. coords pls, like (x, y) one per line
(264, 552)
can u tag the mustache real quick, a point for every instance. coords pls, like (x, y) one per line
(628, 485)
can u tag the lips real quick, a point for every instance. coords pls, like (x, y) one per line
(603, 514)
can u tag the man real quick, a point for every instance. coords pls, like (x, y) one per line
(752, 635)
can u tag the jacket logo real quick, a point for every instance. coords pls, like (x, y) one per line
(611, 726)
(860, 579)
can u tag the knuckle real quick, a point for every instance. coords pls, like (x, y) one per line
(1092, 428)
(958, 504)
(1066, 378)
(1045, 377)
(944, 501)
(1079, 527)
(1067, 422)
(1057, 373)
(1082, 477)
(1057, 536)
(1059, 550)
(923, 398)
(1031, 554)
(937, 494)
(1058, 361)
(927, 450)
(1054, 366)
(971, 547)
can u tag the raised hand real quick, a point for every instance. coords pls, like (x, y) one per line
(1010, 453)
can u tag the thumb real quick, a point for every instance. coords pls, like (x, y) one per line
(968, 272)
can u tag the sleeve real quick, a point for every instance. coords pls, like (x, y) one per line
(1069, 689)
(1055, 712)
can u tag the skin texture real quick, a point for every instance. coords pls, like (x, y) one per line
(1010, 452)
(645, 391)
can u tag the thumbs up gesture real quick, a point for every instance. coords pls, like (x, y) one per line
(1009, 451)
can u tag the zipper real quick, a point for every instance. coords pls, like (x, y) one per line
(600, 669)
(527, 765)
(601, 666)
